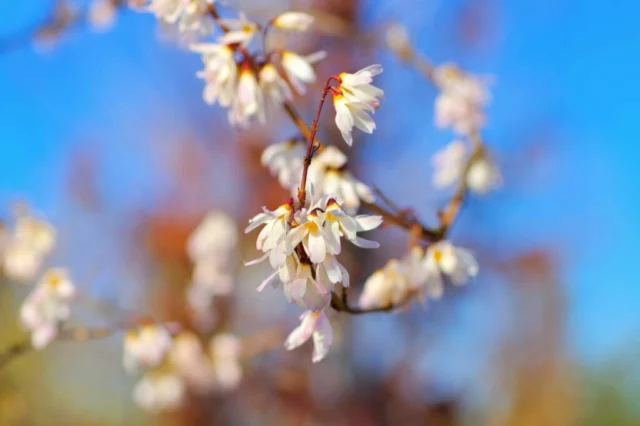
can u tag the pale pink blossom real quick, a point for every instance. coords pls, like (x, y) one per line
(316, 325)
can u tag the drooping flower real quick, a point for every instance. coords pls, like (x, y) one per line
(47, 306)
(299, 69)
(311, 233)
(386, 287)
(340, 224)
(293, 21)
(284, 160)
(442, 260)
(271, 238)
(345, 187)
(354, 99)
(220, 73)
(241, 30)
(248, 103)
(273, 85)
(316, 325)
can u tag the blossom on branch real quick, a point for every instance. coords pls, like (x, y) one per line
(316, 325)
(190, 16)
(460, 104)
(354, 99)
(241, 30)
(450, 166)
(444, 260)
(47, 306)
(220, 73)
(299, 69)
(146, 346)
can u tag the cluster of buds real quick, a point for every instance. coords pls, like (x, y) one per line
(172, 367)
(212, 248)
(421, 273)
(24, 248)
(301, 246)
(47, 306)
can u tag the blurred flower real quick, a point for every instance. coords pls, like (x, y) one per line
(450, 163)
(293, 21)
(354, 98)
(443, 259)
(214, 240)
(385, 287)
(146, 347)
(102, 14)
(240, 31)
(273, 85)
(346, 188)
(299, 69)
(483, 176)
(461, 100)
(248, 102)
(397, 40)
(313, 324)
(47, 306)
(284, 160)
(220, 73)
(157, 391)
(225, 353)
(189, 15)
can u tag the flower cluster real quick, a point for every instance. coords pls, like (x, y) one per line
(189, 16)
(462, 97)
(47, 306)
(24, 248)
(420, 273)
(172, 367)
(302, 246)
(453, 163)
(212, 248)
(327, 172)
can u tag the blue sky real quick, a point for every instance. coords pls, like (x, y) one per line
(564, 70)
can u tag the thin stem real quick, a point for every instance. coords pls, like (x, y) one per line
(312, 147)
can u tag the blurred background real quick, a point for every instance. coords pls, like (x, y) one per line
(106, 135)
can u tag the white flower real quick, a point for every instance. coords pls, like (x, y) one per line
(102, 14)
(214, 240)
(448, 164)
(354, 99)
(273, 85)
(271, 238)
(240, 31)
(345, 187)
(340, 224)
(311, 233)
(398, 40)
(483, 175)
(303, 288)
(38, 234)
(192, 364)
(443, 259)
(157, 391)
(248, 102)
(190, 15)
(20, 261)
(146, 347)
(299, 69)
(220, 73)
(461, 101)
(385, 287)
(332, 271)
(207, 275)
(293, 21)
(225, 350)
(285, 161)
(313, 324)
(46, 306)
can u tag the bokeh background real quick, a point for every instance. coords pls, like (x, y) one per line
(105, 133)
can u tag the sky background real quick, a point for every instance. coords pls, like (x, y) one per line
(565, 81)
